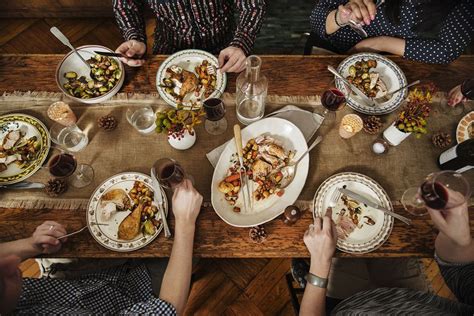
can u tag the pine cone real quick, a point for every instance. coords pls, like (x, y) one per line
(372, 124)
(107, 122)
(55, 187)
(257, 234)
(441, 140)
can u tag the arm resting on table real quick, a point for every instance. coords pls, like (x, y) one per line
(22, 248)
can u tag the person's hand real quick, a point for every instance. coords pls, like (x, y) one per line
(44, 239)
(370, 44)
(321, 240)
(186, 203)
(361, 11)
(455, 96)
(453, 223)
(232, 59)
(132, 48)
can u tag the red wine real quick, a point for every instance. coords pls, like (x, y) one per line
(62, 165)
(459, 158)
(214, 108)
(333, 99)
(171, 174)
(435, 195)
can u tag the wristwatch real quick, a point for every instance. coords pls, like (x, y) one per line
(316, 281)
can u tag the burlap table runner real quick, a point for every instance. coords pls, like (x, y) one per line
(124, 149)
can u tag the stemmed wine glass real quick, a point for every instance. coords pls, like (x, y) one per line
(169, 173)
(440, 190)
(215, 124)
(64, 165)
(332, 100)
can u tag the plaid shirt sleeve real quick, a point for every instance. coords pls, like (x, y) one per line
(129, 16)
(251, 13)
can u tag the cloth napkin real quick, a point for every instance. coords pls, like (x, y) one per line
(308, 123)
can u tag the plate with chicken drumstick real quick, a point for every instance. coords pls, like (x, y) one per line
(188, 77)
(268, 146)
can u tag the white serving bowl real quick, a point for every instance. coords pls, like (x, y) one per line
(71, 62)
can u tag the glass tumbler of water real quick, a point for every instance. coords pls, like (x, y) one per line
(143, 118)
(70, 138)
(251, 92)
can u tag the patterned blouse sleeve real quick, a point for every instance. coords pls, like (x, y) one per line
(456, 33)
(129, 16)
(459, 278)
(319, 15)
(251, 13)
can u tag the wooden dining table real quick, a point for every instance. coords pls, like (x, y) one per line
(288, 75)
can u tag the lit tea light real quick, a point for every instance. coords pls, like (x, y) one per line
(351, 124)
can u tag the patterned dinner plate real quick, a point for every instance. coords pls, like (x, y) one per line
(465, 129)
(32, 127)
(390, 74)
(188, 59)
(106, 235)
(367, 236)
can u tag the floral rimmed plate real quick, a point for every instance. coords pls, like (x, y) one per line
(465, 129)
(390, 74)
(188, 59)
(367, 238)
(33, 127)
(106, 236)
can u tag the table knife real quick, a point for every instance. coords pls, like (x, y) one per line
(109, 54)
(356, 90)
(23, 186)
(159, 200)
(362, 199)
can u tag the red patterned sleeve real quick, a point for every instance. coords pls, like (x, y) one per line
(129, 16)
(251, 13)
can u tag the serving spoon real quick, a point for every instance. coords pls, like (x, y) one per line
(290, 170)
(63, 39)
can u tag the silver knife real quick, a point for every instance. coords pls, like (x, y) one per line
(362, 199)
(24, 185)
(159, 201)
(356, 90)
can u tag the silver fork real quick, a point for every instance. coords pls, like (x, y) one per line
(80, 230)
(336, 195)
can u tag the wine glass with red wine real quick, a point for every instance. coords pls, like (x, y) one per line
(332, 101)
(440, 190)
(215, 124)
(169, 173)
(64, 165)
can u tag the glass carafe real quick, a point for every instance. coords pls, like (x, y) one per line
(251, 92)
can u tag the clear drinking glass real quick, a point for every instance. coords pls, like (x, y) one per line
(440, 190)
(215, 124)
(61, 113)
(70, 138)
(142, 118)
(64, 165)
(251, 89)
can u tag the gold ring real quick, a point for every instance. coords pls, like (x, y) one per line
(51, 227)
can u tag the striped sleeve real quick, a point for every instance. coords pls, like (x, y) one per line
(459, 278)
(251, 14)
(129, 16)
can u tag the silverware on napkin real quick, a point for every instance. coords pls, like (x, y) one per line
(366, 201)
(23, 186)
(159, 200)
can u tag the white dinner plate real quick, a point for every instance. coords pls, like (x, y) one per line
(264, 210)
(33, 127)
(367, 238)
(465, 125)
(390, 74)
(189, 59)
(106, 236)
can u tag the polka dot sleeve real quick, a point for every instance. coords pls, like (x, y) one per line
(456, 33)
(319, 15)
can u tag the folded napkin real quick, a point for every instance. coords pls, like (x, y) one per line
(308, 123)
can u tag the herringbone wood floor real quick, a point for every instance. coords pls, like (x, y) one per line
(225, 286)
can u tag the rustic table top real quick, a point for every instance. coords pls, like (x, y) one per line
(288, 75)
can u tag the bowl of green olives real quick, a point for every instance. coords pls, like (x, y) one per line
(96, 82)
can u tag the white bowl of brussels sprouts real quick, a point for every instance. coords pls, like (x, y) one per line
(94, 84)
